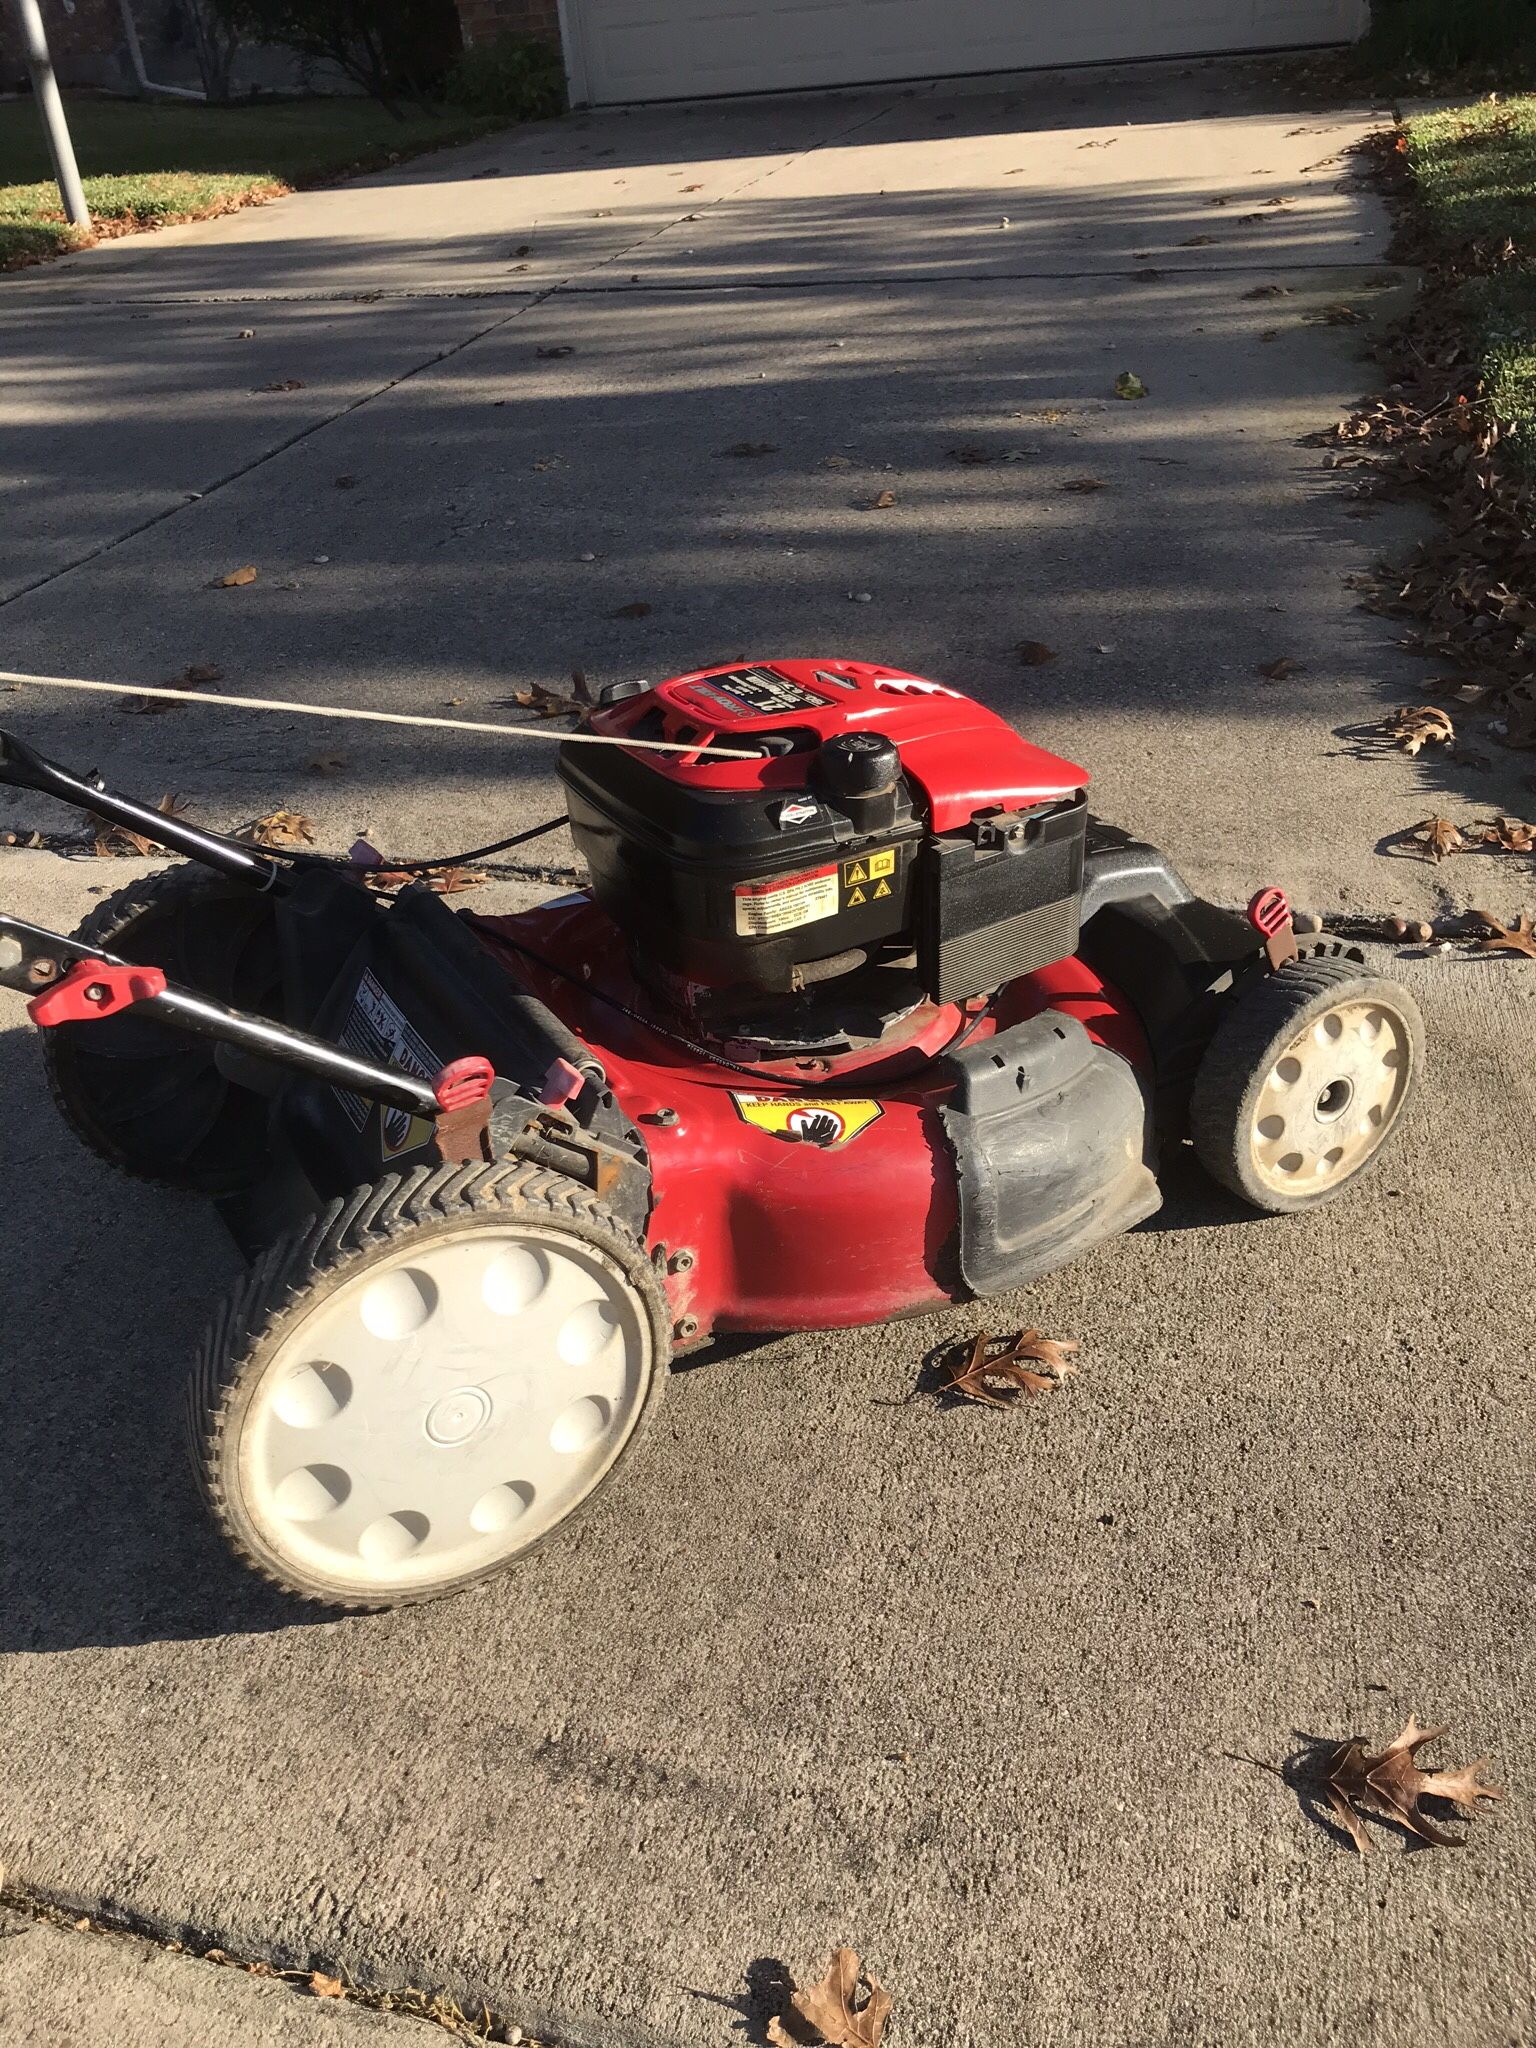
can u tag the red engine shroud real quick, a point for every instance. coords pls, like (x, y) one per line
(962, 757)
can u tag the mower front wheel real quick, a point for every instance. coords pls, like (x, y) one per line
(429, 1381)
(1304, 1082)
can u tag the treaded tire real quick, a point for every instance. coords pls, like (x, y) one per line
(417, 1210)
(1260, 1028)
(149, 1100)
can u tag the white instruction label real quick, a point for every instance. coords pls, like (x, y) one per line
(763, 908)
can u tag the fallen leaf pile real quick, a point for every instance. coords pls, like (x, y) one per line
(196, 676)
(996, 1376)
(109, 839)
(278, 828)
(441, 881)
(1420, 725)
(1390, 1784)
(1519, 937)
(1507, 835)
(847, 2009)
(545, 703)
(1468, 593)
(1438, 837)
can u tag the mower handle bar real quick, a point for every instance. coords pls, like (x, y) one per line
(24, 768)
(33, 960)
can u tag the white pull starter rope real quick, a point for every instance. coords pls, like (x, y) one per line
(521, 732)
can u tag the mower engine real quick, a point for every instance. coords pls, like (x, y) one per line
(860, 1015)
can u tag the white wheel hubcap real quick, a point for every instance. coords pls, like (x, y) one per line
(1329, 1100)
(444, 1408)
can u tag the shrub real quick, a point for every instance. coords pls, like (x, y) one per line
(518, 77)
(1443, 35)
(394, 49)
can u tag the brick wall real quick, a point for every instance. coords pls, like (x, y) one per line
(483, 20)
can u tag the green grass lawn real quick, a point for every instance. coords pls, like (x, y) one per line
(1475, 168)
(146, 165)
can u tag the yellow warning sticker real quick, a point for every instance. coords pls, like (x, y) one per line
(882, 863)
(855, 872)
(855, 896)
(882, 889)
(403, 1134)
(807, 1121)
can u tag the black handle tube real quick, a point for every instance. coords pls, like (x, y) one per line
(292, 1048)
(24, 768)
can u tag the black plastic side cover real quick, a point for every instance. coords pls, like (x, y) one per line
(1051, 1136)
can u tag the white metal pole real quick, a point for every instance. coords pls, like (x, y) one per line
(45, 90)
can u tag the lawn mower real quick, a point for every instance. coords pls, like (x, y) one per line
(861, 1014)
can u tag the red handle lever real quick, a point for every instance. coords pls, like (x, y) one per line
(92, 988)
(1269, 912)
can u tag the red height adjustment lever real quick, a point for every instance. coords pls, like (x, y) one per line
(1270, 915)
(92, 988)
(463, 1082)
(1269, 912)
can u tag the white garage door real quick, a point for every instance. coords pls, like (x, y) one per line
(681, 49)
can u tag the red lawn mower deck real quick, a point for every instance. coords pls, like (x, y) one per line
(861, 1014)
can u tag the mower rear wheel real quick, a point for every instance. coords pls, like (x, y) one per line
(153, 1101)
(1305, 1082)
(427, 1383)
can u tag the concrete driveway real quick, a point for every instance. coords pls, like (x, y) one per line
(972, 1692)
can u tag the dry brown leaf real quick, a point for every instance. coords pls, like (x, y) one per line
(882, 502)
(1335, 316)
(558, 348)
(750, 448)
(994, 1377)
(278, 828)
(1509, 834)
(549, 703)
(1269, 291)
(283, 384)
(1391, 1783)
(972, 454)
(1034, 653)
(444, 882)
(836, 462)
(111, 839)
(326, 1987)
(638, 610)
(831, 2010)
(1085, 484)
(1420, 725)
(1519, 937)
(1438, 837)
(327, 764)
(1277, 670)
(237, 579)
(1199, 242)
(346, 483)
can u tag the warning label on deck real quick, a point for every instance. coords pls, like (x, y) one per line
(785, 902)
(379, 1030)
(807, 1122)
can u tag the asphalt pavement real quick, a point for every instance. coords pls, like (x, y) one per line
(991, 1697)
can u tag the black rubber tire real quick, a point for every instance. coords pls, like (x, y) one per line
(149, 1100)
(1260, 1024)
(256, 1317)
